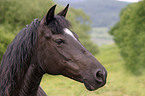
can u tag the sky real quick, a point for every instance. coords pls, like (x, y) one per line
(130, 0)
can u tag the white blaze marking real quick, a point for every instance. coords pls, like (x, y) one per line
(69, 32)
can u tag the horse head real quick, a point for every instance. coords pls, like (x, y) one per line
(61, 53)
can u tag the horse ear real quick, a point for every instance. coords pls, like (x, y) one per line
(64, 11)
(50, 14)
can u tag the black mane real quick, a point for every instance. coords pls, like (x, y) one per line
(17, 58)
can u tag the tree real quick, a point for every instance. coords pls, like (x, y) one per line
(5, 39)
(129, 35)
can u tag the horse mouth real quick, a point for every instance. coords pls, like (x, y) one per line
(91, 87)
(88, 85)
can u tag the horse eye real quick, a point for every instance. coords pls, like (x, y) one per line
(59, 41)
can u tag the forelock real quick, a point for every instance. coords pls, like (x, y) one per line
(58, 24)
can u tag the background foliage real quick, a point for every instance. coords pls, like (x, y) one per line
(15, 14)
(129, 35)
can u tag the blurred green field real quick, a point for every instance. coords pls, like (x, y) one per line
(100, 36)
(120, 82)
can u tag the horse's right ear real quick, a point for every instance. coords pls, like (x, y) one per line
(49, 16)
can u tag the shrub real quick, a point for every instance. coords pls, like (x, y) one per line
(129, 35)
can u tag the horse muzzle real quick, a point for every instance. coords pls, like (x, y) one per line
(97, 81)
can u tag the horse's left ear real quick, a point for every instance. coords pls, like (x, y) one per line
(49, 16)
(64, 11)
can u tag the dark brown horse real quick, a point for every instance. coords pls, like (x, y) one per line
(47, 46)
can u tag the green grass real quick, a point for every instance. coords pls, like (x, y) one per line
(119, 82)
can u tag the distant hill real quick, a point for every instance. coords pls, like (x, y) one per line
(103, 13)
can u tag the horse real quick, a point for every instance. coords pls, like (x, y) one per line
(47, 46)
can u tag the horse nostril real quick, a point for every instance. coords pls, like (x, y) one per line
(99, 76)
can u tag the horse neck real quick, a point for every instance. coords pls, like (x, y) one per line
(31, 81)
